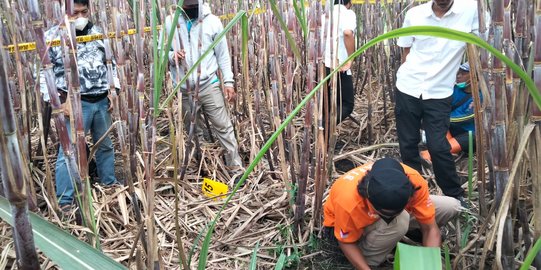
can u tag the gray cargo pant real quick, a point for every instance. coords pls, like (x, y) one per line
(380, 238)
(211, 102)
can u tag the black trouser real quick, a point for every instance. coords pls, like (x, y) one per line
(345, 96)
(462, 138)
(433, 114)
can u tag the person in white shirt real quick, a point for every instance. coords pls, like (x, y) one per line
(425, 86)
(342, 33)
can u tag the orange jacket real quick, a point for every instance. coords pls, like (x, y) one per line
(349, 213)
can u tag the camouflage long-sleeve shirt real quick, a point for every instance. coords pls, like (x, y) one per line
(91, 63)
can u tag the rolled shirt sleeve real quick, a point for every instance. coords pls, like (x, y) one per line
(405, 41)
(345, 229)
(421, 206)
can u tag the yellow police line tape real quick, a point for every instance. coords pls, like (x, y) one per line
(30, 46)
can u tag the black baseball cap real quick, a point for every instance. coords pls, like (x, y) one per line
(388, 187)
(190, 2)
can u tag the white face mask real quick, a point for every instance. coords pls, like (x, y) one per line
(80, 23)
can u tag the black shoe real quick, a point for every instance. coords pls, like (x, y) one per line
(463, 202)
(415, 235)
(65, 209)
(69, 211)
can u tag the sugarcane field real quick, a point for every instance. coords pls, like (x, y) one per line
(270, 134)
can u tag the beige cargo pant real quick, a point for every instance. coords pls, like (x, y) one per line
(211, 102)
(380, 238)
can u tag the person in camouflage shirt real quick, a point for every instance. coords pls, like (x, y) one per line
(94, 87)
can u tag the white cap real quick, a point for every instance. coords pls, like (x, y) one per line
(465, 66)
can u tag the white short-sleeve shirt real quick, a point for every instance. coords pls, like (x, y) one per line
(343, 19)
(430, 67)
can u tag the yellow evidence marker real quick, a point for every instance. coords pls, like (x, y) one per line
(213, 189)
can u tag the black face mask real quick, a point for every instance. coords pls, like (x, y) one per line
(192, 13)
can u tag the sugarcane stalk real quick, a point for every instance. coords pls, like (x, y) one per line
(265, 73)
(485, 79)
(520, 97)
(273, 103)
(393, 53)
(44, 116)
(480, 68)
(320, 159)
(191, 141)
(368, 14)
(15, 175)
(134, 101)
(20, 99)
(257, 99)
(516, 98)
(126, 97)
(179, 142)
(535, 170)
(149, 144)
(176, 141)
(247, 49)
(58, 114)
(306, 155)
(536, 145)
(69, 47)
(475, 74)
(330, 112)
(281, 95)
(148, 137)
(286, 106)
(499, 139)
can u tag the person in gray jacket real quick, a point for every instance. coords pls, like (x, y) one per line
(191, 31)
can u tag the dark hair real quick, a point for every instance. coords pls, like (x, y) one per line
(362, 186)
(86, 2)
(343, 2)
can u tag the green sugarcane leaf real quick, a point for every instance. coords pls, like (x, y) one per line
(300, 13)
(407, 31)
(415, 257)
(196, 244)
(280, 264)
(531, 255)
(253, 261)
(210, 49)
(164, 55)
(155, 37)
(470, 164)
(460, 36)
(65, 250)
(245, 32)
(447, 257)
(466, 232)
